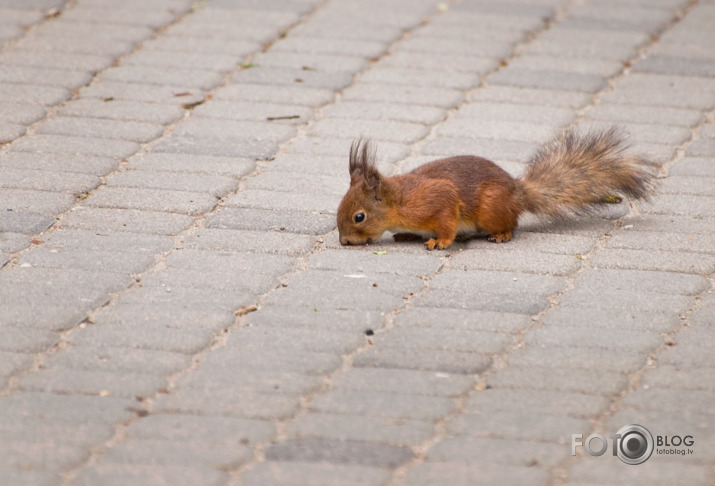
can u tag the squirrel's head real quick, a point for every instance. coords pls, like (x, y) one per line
(363, 212)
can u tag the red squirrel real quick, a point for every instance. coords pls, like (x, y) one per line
(572, 174)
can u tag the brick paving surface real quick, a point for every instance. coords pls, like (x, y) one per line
(175, 307)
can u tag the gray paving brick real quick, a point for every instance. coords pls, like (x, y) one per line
(494, 451)
(649, 240)
(291, 316)
(516, 261)
(45, 77)
(229, 403)
(196, 317)
(645, 114)
(199, 43)
(687, 358)
(379, 404)
(588, 300)
(589, 381)
(215, 378)
(331, 290)
(84, 164)
(438, 46)
(339, 452)
(10, 132)
(125, 220)
(187, 341)
(562, 81)
(385, 111)
(123, 110)
(117, 360)
(188, 163)
(80, 409)
(397, 131)
(538, 114)
(124, 130)
(280, 200)
(669, 377)
(36, 42)
(602, 472)
(111, 91)
(356, 428)
(24, 222)
(150, 475)
(275, 113)
(446, 318)
(272, 220)
(22, 477)
(29, 201)
(675, 65)
(171, 453)
(91, 240)
(199, 429)
(476, 475)
(622, 340)
(661, 97)
(218, 146)
(378, 92)
(27, 340)
(172, 76)
(204, 61)
(13, 242)
(50, 456)
(217, 186)
(532, 96)
(456, 362)
(443, 340)
(339, 147)
(27, 93)
(687, 205)
(370, 263)
(109, 261)
(311, 61)
(701, 148)
(127, 385)
(579, 357)
(300, 473)
(498, 150)
(325, 341)
(204, 127)
(699, 186)
(669, 261)
(403, 381)
(643, 281)
(517, 425)
(244, 240)
(540, 402)
(182, 202)
(501, 130)
(154, 18)
(58, 60)
(21, 113)
(281, 76)
(340, 47)
(257, 93)
(421, 77)
(64, 144)
(459, 63)
(46, 180)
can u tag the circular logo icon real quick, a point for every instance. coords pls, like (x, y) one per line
(635, 445)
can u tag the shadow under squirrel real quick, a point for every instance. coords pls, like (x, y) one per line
(572, 174)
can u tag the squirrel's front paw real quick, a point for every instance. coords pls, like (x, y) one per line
(500, 237)
(439, 243)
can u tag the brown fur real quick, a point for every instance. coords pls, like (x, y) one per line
(570, 175)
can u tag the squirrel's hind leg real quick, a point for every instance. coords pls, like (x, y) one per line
(497, 212)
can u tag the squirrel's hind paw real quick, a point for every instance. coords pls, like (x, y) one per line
(500, 237)
(440, 243)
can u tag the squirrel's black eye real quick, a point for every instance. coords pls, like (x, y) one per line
(359, 217)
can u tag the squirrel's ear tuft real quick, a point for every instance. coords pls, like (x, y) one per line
(362, 162)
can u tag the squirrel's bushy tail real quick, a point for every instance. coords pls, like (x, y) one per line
(575, 173)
